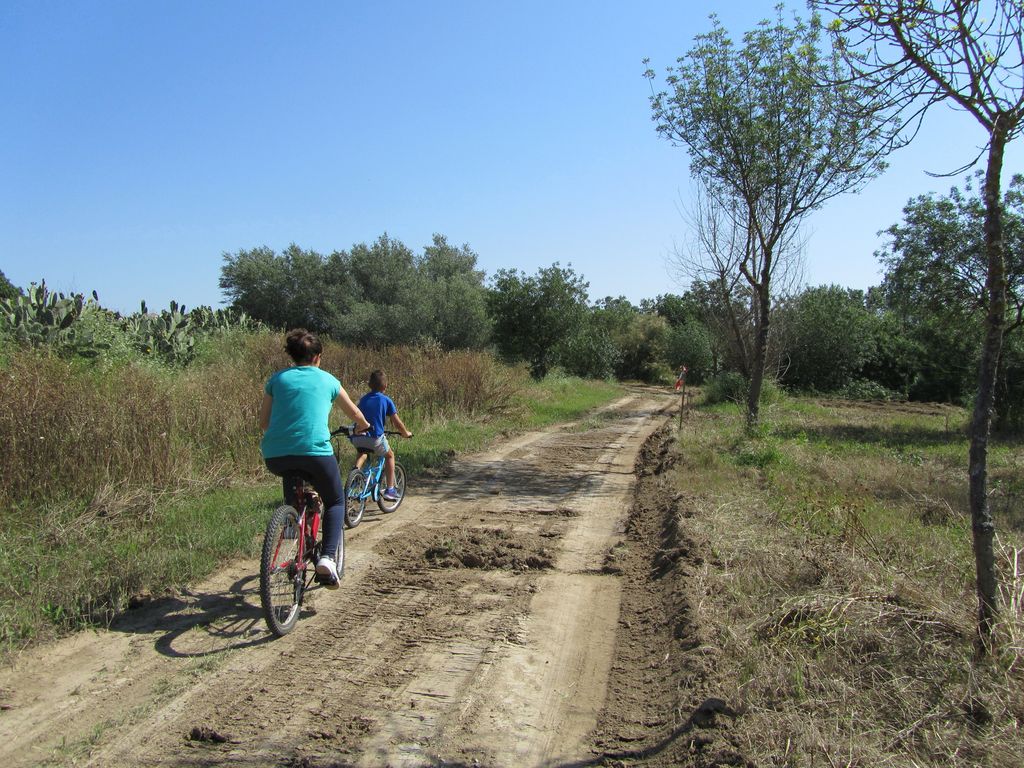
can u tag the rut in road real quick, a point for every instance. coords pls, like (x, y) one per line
(476, 625)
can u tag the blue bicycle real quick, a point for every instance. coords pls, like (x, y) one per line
(363, 485)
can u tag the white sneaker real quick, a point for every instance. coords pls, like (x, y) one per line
(327, 570)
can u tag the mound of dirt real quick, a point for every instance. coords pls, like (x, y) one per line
(489, 549)
(663, 708)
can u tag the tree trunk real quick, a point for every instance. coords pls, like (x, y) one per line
(760, 355)
(982, 525)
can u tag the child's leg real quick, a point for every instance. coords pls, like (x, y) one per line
(360, 460)
(389, 468)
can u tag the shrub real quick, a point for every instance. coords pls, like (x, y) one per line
(726, 387)
(731, 387)
(863, 389)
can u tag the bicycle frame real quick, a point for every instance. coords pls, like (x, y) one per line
(309, 526)
(373, 470)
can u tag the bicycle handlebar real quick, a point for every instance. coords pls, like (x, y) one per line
(348, 431)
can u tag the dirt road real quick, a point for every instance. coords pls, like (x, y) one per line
(480, 624)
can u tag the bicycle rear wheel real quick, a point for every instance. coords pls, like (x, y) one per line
(282, 575)
(355, 498)
(391, 506)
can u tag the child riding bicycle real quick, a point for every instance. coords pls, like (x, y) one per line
(378, 407)
(296, 442)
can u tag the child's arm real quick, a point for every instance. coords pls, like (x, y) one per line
(399, 425)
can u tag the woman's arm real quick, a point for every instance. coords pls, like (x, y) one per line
(352, 411)
(265, 407)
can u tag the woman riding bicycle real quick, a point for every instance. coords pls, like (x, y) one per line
(297, 403)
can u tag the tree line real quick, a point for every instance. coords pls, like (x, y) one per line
(915, 336)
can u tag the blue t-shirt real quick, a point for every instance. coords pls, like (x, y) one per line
(302, 401)
(376, 407)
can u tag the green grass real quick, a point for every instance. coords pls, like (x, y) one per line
(75, 568)
(560, 398)
(66, 566)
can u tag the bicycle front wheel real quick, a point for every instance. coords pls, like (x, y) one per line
(282, 573)
(391, 506)
(355, 498)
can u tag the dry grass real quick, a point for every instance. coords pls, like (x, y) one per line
(428, 383)
(840, 599)
(1011, 587)
(70, 433)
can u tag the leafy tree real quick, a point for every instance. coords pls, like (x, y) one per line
(771, 144)
(456, 295)
(935, 257)
(615, 318)
(967, 54)
(591, 352)
(285, 291)
(828, 338)
(637, 336)
(7, 289)
(389, 307)
(677, 310)
(936, 281)
(642, 348)
(1011, 384)
(897, 360)
(727, 314)
(376, 294)
(533, 315)
(689, 344)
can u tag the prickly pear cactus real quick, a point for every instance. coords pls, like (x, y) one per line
(168, 335)
(41, 316)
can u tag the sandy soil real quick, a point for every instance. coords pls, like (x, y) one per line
(501, 617)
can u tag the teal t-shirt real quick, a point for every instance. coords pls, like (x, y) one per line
(302, 400)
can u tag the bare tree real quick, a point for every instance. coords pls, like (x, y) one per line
(711, 255)
(969, 55)
(720, 253)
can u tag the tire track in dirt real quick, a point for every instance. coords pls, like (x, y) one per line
(475, 624)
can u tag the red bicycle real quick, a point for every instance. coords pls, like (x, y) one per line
(291, 547)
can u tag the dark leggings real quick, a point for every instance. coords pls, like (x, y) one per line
(323, 473)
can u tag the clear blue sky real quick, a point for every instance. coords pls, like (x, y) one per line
(139, 141)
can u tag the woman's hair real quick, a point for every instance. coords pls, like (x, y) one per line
(378, 380)
(302, 346)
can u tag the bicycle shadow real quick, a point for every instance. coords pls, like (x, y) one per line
(200, 623)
